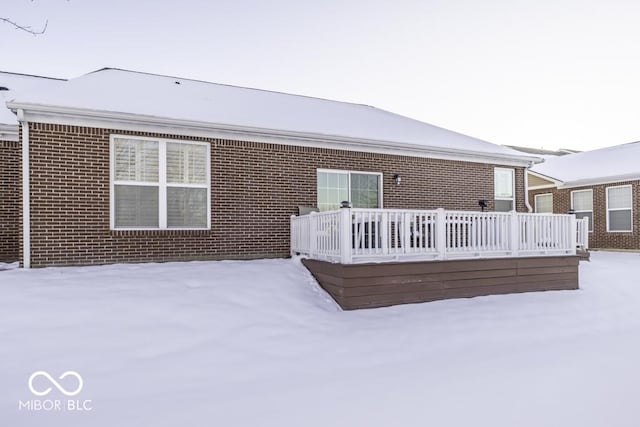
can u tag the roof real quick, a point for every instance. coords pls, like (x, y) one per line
(121, 93)
(611, 164)
(16, 84)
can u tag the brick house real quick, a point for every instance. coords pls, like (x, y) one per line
(131, 167)
(603, 185)
(12, 84)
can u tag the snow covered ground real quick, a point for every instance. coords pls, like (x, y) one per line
(257, 343)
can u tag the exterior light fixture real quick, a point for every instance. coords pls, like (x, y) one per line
(397, 178)
(345, 204)
(483, 204)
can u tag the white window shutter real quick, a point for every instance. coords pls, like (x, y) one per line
(136, 160)
(186, 163)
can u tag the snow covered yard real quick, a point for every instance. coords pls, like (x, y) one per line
(257, 343)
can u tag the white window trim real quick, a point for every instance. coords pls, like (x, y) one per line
(513, 186)
(349, 172)
(591, 227)
(630, 208)
(535, 201)
(162, 183)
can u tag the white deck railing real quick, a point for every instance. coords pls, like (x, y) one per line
(374, 235)
(583, 234)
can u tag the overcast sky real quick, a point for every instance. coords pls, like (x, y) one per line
(534, 73)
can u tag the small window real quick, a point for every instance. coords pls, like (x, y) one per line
(544, 203)
(504, 189)
(619, 211)
(361, 189)
(159, 184)
(582, 205)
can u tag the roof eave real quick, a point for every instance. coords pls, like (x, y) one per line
(9, 132)
(586, 182)
(100, 118)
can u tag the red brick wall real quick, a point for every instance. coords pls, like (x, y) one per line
(10, 185)
(255, 188)
(599, 238)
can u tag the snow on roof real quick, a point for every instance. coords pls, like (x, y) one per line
(121, 91)
(12, 85)
(609, 164)
(544, 153)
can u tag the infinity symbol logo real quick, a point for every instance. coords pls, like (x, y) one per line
(55, 383)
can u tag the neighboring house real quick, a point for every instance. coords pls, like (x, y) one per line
(603, 185)
(12, 84)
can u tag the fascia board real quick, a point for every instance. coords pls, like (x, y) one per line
(125, 121)
(8, 132)
(587, 182)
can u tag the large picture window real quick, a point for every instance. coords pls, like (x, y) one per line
(503, 181)
(159, 184)
(361, 189)
(582, 205)
(619, 210)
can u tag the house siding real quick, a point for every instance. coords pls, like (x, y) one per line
(255, 188)
(600, 238)
(536, 180)
(10, 179)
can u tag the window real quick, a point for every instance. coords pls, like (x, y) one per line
(159, 184)
(619, 212)
(362, 189)
(544, 203)
(503, 184)
(582, 205)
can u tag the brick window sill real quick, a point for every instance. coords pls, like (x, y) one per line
(167, 232)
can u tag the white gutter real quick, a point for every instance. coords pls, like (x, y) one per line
(8, 132)
(586, 182)
(26, 202)
(526, 190)
(111, 119)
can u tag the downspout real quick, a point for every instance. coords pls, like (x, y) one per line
(26, 201)
(526, 189)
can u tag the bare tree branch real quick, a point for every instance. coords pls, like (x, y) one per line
(28, 29)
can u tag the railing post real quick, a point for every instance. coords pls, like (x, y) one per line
(406, 233)
(313, 235)
(573, 233)
(345, 235)
(514, 234)
(384, 231)
(292, 235)
(585, 233)
(441, 233)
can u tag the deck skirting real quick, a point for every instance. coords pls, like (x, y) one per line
(356, 286)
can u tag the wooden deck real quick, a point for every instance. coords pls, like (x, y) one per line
(355, 286)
